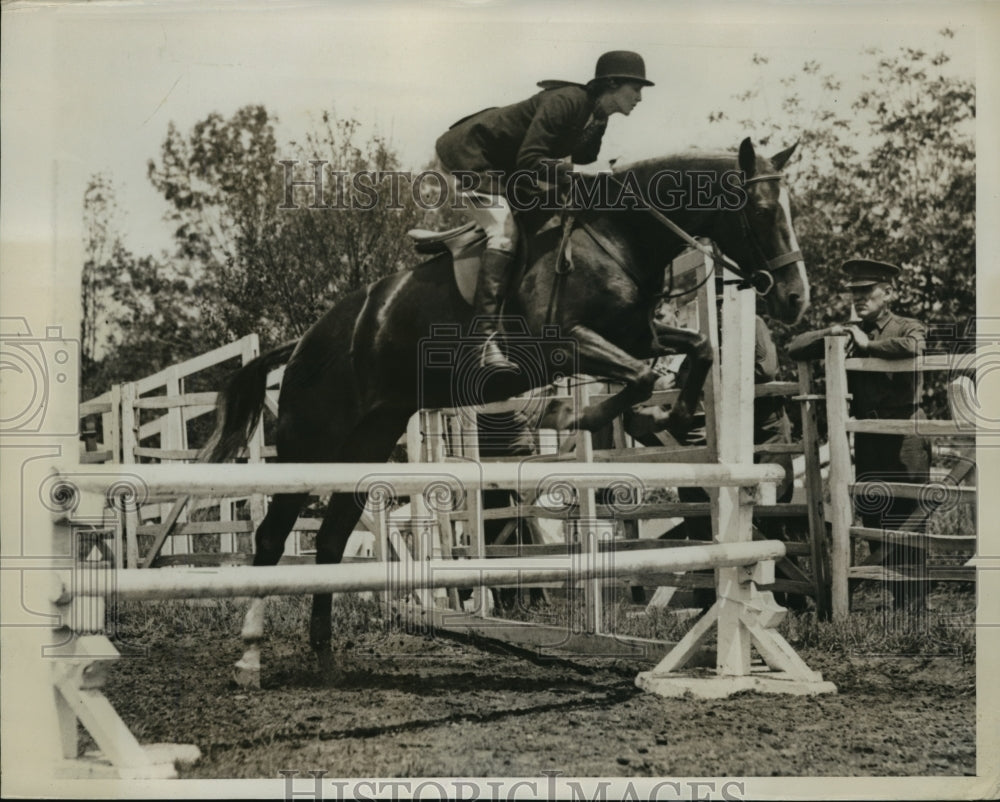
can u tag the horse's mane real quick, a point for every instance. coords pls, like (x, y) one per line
(686, 160)
(681, 162)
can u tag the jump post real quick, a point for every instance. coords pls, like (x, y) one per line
(744, 615)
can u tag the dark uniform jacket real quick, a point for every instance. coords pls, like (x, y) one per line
(877, 395)
(552, 124)
(883, 457)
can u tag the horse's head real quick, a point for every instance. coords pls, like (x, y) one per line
(760, 238)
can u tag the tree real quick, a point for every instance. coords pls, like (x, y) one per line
(275, 270)
(242, 263)
(200, 175)
(889, 175)
(137, 311)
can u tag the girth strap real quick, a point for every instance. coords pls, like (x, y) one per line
(564, 263)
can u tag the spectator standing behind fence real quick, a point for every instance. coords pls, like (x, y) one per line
(881, 333)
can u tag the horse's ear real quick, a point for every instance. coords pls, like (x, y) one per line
(747, 158)
(779, 160)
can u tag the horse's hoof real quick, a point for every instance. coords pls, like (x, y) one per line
(678, 427)
(246, 673)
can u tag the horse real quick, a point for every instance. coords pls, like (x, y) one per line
(365, 367)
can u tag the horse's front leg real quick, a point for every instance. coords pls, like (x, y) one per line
(698, 349)
(599, 357)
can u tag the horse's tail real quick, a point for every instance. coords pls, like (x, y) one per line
(240, 405)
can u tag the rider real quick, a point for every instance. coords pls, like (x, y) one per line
(565, 119)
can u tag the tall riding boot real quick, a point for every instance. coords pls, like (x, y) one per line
(490, 287)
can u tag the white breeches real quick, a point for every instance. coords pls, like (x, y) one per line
(492, 213)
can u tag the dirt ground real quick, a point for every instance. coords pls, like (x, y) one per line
(409, 705)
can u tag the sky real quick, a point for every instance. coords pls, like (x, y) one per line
(93, 87)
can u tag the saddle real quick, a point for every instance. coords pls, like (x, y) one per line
(455, 240)
(466, 244)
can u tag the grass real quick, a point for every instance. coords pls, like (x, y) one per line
(140, 621)
(879, 633)
(948, 628)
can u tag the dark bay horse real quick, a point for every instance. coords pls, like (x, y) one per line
(355, 378)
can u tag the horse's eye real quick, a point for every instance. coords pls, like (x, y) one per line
(765, 212)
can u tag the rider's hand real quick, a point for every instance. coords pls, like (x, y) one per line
(560, 171)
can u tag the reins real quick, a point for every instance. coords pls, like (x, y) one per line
(769, 265)
(564, 259)
(564, 262)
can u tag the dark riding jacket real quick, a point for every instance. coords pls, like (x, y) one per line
(552, 124)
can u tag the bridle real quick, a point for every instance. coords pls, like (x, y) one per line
(766, 266)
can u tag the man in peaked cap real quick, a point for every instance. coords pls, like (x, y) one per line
(879, 332)
(868, 272)
(564, 120)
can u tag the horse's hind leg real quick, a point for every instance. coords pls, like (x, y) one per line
(342, 514)
(269, 544)
(372, 441)
(269, 541)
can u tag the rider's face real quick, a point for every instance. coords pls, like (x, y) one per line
(622, 99)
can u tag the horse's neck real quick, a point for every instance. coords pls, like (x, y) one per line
(697, 222)
(651, 245)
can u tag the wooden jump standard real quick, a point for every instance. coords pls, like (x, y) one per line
(745, 614)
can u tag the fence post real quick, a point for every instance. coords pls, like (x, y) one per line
(174, 436)
(113, 425)
(813, 484)
(587, 525)
(734, 426)
(130, 438)
(73, 666)
(113, 440)
(255, 445)
(708, 324)
(474, 523)
(841, 475)
(428, 442)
